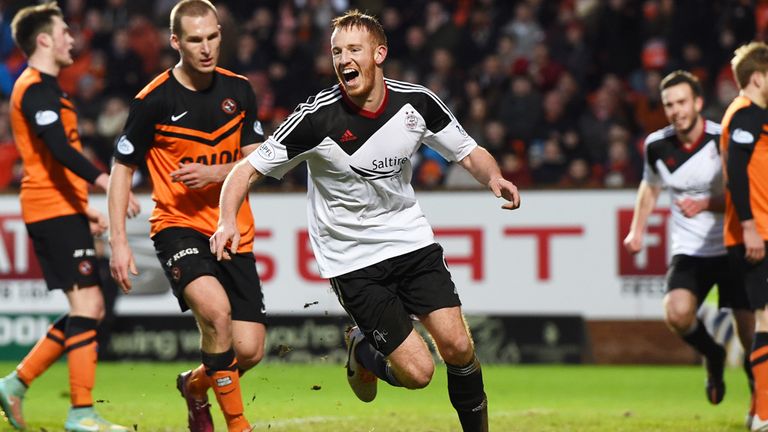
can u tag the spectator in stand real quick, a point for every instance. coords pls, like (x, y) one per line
(649, 111)
(547, 162)
(579, 174)
(520, 108)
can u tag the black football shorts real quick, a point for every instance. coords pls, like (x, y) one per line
(64, 247)
(754, 277)
(700, 274)
(185, 255)
(382, 297)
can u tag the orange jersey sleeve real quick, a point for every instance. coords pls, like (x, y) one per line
(48, 188)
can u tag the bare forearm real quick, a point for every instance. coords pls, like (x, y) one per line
(647, 196)
(234, 189)
(118, 194)
(481, 165)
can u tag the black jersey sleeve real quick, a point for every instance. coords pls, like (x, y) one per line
(436, 114)
(745, 128)
(252, 131)
(42, 109)
(139, 131)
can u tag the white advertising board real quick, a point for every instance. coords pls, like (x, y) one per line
(559, 254)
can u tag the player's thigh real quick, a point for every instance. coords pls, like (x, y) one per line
(451, 334)
(207, 299)
(369, 296)
(65, 250)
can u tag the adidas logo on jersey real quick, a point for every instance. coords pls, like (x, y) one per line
(348, 136)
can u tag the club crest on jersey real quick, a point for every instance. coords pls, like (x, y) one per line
(229, 106)
(411, 121)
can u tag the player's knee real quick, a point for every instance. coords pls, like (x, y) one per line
(216, 326)
(680, 319)
(419, 374)
(249, 357)
(457, 352)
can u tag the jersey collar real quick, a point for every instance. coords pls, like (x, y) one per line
(363, 112)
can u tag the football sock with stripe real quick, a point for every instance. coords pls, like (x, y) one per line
(699, 338)
(224, 378)
(81, 347)
(375, 362)
(759, 359)
(45, 352)
(467, 395)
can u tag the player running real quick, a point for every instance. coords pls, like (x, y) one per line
(190, 124)
(684, 157)
(368, 233)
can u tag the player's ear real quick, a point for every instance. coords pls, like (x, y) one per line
(174, 41)
(380, 55)
(44, 39)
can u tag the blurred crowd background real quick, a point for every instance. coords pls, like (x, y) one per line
(562, 92)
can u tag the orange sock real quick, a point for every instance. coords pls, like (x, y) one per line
(198, 383)
(45, 352)
(221, 369)
(759, 360)
(81, 358)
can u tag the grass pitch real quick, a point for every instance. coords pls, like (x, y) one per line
(281, 398)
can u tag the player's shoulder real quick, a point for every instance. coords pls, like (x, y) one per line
(228, 74)
(712, 127)
(660, 136)
(317, 102)
(153, 89)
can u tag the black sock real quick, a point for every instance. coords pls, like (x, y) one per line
(748, 370)
(702, 341)
(465, 389)
(375, 362)
(218, 361)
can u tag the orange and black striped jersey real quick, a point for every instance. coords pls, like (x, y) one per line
(170, 125)
(44, 124)
(744, 146)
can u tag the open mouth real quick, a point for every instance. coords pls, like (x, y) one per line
(349, 75)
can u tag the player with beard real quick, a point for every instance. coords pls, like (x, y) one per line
(367, 231)
(684, 157)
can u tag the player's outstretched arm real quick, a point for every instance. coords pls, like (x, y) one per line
(118, 198)
(647, 195)
(484, 169)
(232, 196)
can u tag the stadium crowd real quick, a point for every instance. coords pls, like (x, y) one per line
(562, 92)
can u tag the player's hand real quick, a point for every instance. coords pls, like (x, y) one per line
(120, 263)
(633, 243)
(504, 188)
(96, 221)
(134, 208)
(196, 175)
(226, 233)
(690, 207)
(754, 245)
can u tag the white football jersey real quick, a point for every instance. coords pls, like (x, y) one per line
(361, 206)
(694, 173)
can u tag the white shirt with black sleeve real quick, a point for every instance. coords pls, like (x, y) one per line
(361, 206)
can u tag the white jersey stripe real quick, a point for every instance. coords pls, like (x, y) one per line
(323, 98)
(411, 88)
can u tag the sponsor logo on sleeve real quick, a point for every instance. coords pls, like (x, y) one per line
(124, 146)
(742, 137)
(44, 118)
(258, 128)
(266, 151)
